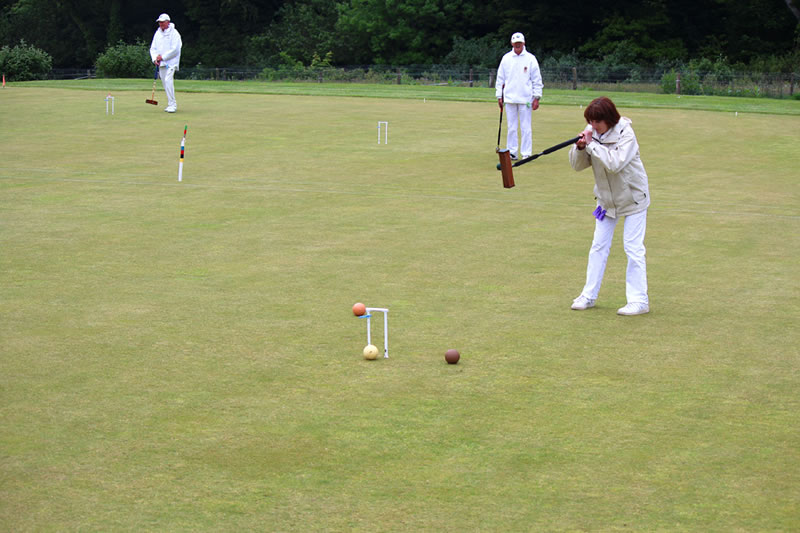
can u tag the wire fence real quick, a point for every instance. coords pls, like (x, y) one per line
(631, 78)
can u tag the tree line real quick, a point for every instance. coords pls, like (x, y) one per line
(264, 33)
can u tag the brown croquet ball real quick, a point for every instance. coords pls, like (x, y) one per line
(359, 309)
(452, 356)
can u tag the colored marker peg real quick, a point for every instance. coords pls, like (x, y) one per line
(183, 148)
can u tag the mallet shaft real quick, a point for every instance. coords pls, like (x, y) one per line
(559, 146)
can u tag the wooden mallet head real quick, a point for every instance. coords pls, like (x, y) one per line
(505, 168)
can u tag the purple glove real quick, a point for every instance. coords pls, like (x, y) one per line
(599, 213)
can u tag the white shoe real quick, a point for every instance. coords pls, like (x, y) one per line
(634, 308)
(582, 302)
(171, 108)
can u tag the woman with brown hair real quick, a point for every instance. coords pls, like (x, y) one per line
(609, 146)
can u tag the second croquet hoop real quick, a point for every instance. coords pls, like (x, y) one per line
(368, 316)
(385, 124)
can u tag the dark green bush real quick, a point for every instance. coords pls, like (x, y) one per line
(25, 62)
(125, 61)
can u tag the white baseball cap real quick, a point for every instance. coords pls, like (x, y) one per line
(517, 38)
(163, 17)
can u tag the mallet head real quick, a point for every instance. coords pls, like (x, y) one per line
(505, 168)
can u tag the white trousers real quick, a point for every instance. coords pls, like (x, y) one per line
(633, 242)
(519, 113)
(168, 82)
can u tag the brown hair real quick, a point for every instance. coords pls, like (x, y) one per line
(602, 109)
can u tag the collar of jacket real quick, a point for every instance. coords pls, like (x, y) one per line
(613, 135)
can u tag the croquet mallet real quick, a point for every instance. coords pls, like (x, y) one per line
(152, 96)
(506, 167)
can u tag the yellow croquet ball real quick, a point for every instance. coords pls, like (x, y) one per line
(370, 352)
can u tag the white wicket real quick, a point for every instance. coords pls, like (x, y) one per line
(109, 97)
(368, 316)
(386, 134)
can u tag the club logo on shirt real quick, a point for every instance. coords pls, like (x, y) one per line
(525, 70)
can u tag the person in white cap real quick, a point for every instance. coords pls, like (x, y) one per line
(519, 88)
(165, 51)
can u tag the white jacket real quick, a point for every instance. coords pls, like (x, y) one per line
(521, 77)
(167, 43)
(620, 181)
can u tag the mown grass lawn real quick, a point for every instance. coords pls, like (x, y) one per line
(183, 356)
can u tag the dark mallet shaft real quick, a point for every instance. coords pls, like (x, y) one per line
(559, 146)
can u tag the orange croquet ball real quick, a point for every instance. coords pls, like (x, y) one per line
(359, 309)
(452, 357)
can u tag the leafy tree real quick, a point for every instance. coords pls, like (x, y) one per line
(221, 28)
(483, 51)
(548, 26)
(401, 32)
(300, 30)
(235, 32)
(74, 32)
(641, 35)
(756, 28)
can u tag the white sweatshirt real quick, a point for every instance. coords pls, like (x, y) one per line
(167, 43)
(521, 76)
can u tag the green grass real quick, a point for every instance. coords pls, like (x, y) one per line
(182, 356)
(438, 92)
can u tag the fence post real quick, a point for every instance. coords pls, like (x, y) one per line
(574, 78)
(791, 84)
(678, 83)
(319, 77)
(491, 77)
(470, 77)
(398, 76)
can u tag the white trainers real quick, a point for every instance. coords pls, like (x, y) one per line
(582, 302)
(634, 308)
(171, 109)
